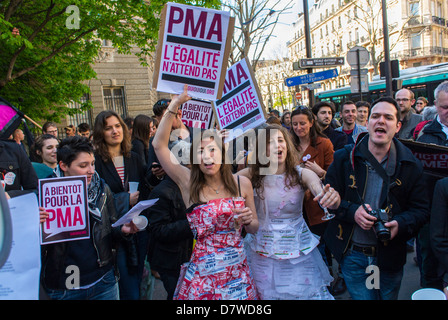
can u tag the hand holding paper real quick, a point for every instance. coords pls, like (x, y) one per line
(134, 212)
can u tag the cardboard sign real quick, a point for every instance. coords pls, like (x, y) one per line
(241, 107)
(194, 47)
(198, 114)
(65, 199)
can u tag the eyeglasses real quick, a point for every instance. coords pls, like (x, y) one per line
(403, 100)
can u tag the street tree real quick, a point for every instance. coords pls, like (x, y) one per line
(48, 47)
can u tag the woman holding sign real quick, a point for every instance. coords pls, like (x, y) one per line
(219, 203)
(283, 254)
(84, 269)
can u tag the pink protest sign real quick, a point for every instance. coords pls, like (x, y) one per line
(193, 49)
(65, 199)
(241, 107)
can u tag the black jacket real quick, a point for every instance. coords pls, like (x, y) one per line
(171, 239)
(432, 133)
(439, 226)
(134, 171)
(407, 197)
(16, 167)
(103, 239)
(337, 138)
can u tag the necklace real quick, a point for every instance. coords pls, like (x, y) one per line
(216, 190)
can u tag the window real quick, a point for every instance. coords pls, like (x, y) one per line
(414, 9)
(85, 116)
(415, 41)
(114, 99)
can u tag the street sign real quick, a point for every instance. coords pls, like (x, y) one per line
(321, 62)
(312, 86)
(352, 57)
(354, 84)
(354, 72)
(311, 77)
(298, 95)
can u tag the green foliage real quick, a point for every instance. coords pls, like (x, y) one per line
(49, 64)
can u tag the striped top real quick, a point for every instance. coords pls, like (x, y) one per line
(119, 166)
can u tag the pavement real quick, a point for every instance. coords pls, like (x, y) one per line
(409, 284)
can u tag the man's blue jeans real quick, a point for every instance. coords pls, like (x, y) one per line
(354, 265)
(106, 289)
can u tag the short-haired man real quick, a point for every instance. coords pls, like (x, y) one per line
(50, 128)
(409, 119)
(362, 107)
(349, 126)
(378, 172)
(84, 130)
(324, 112)
(436, 132)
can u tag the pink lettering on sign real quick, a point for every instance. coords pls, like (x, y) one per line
(195, 26)
(234, 80)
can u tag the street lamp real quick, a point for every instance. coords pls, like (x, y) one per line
(306, 20)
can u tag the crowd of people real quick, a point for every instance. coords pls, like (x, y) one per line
(230, 225)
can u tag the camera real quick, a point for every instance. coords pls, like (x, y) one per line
(381, 231)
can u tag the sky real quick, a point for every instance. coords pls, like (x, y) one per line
(284, 31)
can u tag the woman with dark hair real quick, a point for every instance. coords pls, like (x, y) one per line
(219, 203)
(118, 166)
(143, 129)
(43, 153)
(286, 119)
(94, 256)
(315, 153)
(282, 254)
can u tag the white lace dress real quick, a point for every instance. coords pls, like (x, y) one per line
(283, 254)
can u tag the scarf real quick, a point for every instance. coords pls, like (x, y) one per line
(93, 191)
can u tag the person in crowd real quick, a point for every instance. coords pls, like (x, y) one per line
(219, 204)
(70, 131)
(16, 172)
(93, 256)
(18, 137)
(420, 104)
(171, 238)
(409, 119)
(315, 153)
(273, 120)
(278, 200)
(324, 112)
(438, 223)
(118, 165)
(362, 109)
(43, 153)
(349, 126)
(159, 108)
(179, 132)
(286, 119)
(50, 128)
(84, 130)
(434, 132)
(380, 183)
(274, 113)
(129, 121)
(142, 128)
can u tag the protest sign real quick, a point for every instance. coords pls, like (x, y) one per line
(198, 114)
(241, 107)
(193, 49)
(65, 200)
(434, 158)
(20, 275)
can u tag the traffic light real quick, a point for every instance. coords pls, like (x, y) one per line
(394, 65)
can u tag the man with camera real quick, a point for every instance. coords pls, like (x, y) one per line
(383, 205)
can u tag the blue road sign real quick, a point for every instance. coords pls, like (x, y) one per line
(311, 77)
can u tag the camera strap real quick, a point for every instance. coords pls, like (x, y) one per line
(378, 168)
